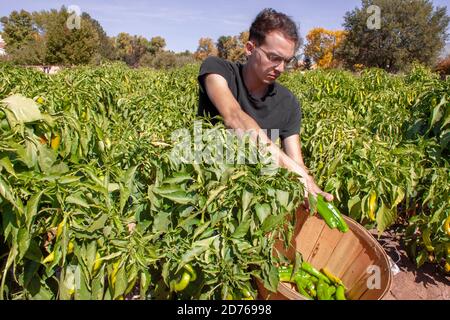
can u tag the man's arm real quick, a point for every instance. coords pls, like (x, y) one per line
(292, 147)
(234, 117)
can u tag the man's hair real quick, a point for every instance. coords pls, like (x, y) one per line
(269, 20)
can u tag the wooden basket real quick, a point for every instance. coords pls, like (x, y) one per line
(355, 256)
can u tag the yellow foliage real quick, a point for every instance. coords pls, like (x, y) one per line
(322, 46)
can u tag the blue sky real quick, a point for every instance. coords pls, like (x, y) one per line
(183, 23)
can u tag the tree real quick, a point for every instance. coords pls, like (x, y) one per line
(322, 46)
(224, 45)
(232, 47)
(131, 49)
(205, 48)
(410, 30)
(18, 29)
(69, 46)
(106, 46)
(157, 44)
(24, 44)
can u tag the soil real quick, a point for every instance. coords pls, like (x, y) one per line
(411, 283)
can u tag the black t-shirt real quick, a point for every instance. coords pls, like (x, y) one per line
(277, 110)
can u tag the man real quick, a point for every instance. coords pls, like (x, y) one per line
(249, 99)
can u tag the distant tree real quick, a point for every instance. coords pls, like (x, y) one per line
(131, 49)
(410, 30)
(18, 29)
(224, 45)
(106, 45)
(24, 43)
(69, 46)
(232, 47)
(243, 37)
(322, 46)
(157, 44)
(205, 48)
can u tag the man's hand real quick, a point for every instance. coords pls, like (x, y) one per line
(314, 189)
(293, 149)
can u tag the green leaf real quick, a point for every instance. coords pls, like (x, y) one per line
(385, 217)
(242, 229)
(161, 222)
(23, 239)
(354, 207)
(197, 248)
(246, 198)
(421, 258)
(399, 196)
(178, 178)
(438, 112)
(24, 109)
(167, 189)
(31, 208)
(98, 224)
(76, 199)
(271, 222)
(262, 211)
(180, 197)
(282, 197)
(7, 165)
(82, 292)
(121, 282)
(5, 192)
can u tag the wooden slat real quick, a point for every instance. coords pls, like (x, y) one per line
(357, 269)
(358, 287)
(323, 249)
(374, 294)
(347, 250)
(308, 235)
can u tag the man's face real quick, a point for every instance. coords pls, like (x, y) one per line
(269, 59)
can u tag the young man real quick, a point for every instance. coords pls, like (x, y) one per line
(249, 99)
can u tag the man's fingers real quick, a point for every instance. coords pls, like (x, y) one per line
(329, 197)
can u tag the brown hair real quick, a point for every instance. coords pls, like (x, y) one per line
(269, 20)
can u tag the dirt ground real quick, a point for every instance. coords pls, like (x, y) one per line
(411, 283)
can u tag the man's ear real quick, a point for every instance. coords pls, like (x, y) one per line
(249, 47)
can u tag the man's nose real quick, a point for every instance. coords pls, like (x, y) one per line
(280, 68)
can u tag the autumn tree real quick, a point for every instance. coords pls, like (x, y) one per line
(205, 48)
(399, 33)
(131, 49)
(322, 45)
(232, 47)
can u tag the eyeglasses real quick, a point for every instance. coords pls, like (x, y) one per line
(277, 60)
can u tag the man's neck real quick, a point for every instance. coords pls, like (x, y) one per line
(255, 88)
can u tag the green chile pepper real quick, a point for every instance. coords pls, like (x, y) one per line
(340, 293)
(314, 272)
(301, 289)
(183, 283)
(192, 272)
(331, 214)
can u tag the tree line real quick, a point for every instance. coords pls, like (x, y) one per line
(409, 31)
(44, 38)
